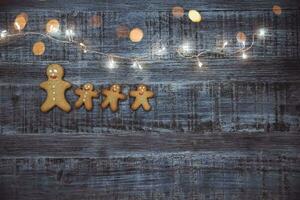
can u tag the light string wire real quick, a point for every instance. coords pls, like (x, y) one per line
(182, 51)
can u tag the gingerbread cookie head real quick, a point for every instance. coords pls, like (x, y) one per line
(55, 72)
(88, 87)
(141, 89)
(115, 88)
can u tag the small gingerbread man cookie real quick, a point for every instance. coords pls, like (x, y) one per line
(142, 94)
(86, 95)
(55, 87)
(112, 97)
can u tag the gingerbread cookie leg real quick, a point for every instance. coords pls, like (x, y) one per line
(78, 103)
(135, 105)
(146, 106)
(105, 103)
(89, 104)
(47, 105)
(114, 106)
(64, 105)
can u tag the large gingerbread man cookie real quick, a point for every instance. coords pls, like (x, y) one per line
(55, 87)
(86, 95)
(112, 97)
(142, 94)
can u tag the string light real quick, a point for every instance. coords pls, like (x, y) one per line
(70, 34)
(83, 47)
(17, 26)
(225, 43)
(200, 64)
(111, 63)
(183, 51)
(136, 64)
(3, 34)
(262, 32)
(244, 56)
(185, 47)
(160, 49)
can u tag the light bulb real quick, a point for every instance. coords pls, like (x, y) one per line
(185, 47)
(83, 47)
(225, 44)
(111, 63)
(17, 26)
(200, 64)
(3, 34)
(244, 56)
(70, 34)
(136, 64)
(262, 32)
(161, 50)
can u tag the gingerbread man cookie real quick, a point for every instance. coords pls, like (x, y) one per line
(55, 87)
(142, 94)
(86, 95)
(112, 97)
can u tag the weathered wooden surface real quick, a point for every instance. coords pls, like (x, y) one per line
(228, 131)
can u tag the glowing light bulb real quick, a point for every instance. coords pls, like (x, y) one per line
(83, 47)
(244, 56)
(161, 50)
(262, 32)
(111, 63)
(17, 26)
(136, 64)
(185, 47)
(70, 34)
(3, 34)
(200, 64)
(225, 44)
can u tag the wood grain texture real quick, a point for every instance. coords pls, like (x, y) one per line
(227, 131)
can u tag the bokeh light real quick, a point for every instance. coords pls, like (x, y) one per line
(52, 26)
(21, 21)
(277, 10)
(136, 35)
(241, 37)
(38, 48)
(177, 11)
(122, 31)
(194, 16)
(96, 21)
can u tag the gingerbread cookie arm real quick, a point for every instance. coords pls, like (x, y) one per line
(105, 92)
(94, 94)
(43, 85)
(67, 84)
(149, 94)
(122, 96)
(78, 91)
(133, 93)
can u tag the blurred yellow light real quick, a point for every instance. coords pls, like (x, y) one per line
(136, 35)
(241, 37)
(277, 10)
(194, 16)
(38, 48)
(21, 21)
(177, 11)
(52, 26)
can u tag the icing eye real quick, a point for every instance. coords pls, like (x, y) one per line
(50, 71)
(55, 70)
